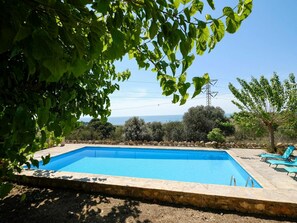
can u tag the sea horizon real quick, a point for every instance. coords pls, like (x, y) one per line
(120, 120)
(147, 118)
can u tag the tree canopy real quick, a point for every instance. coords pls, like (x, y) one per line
(94, 130)
(57, 59)
(271, 102)
(200, 120)
(135, 129)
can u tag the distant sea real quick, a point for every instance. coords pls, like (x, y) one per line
(155, 118)
(152, 118)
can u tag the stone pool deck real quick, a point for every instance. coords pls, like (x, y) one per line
(278, 197)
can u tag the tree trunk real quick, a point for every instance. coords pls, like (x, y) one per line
(271, 135)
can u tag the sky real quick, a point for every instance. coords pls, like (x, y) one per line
(265, 43)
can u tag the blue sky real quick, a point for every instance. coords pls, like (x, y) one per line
(265, 43)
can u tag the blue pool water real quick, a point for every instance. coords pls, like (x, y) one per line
(208, 167)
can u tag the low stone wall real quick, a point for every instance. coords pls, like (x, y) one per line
(243, 205)
(176, 144)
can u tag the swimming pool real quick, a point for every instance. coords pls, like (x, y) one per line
(200, 166)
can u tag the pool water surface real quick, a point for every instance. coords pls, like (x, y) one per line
(199, 166)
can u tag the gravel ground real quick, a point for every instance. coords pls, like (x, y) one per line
(56, 205)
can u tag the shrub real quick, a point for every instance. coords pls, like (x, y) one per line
(200, 120)
(135, 129)
(216, 135)
(156, 131)
(174, 131)
(100, 130)
(94, 130)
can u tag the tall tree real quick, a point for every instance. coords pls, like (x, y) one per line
(156, 131)
(270, 102)
(57, 60)
(200, 120)
(174, 131)
(102, 130)
(135, 129)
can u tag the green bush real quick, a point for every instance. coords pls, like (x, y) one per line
(156, 131)
(200, 120)
(135, 129)
(216, 135)
(94, 130)
(174, 131)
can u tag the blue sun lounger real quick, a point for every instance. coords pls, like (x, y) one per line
(291, 170)
(282, 162)
(285, 156)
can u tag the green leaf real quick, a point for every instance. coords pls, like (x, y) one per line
(7, 36)
(34, 162)
(245, 9)
(211, 4)
(103, 6)
(153, 30)
(58, 130)
(199, 82)
(232, 25)
(183, 88)
(197, 5)
(218, 29)
(208, 17)
(23, 197)
(187, 62)
(79, 67)
(185, 1)
(182, 78)
(57, 68)
(187, 13)
(211, 43)
(43, 136)
(46, 159)
(22, 33)
(168, 86)
(5, 188)
(48, 103)
(185, 47)
(42, 116)
(175, 98)
(227, 11)
(203, 35)
(176, 3)
(192, 31)
(184, 99)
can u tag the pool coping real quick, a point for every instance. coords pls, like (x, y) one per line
(268, 200)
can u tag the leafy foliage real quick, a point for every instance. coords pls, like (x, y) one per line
(227, 127)
(104, 130)
(270, 102)
(94, 130)
(216, 135)
(118, 134)
(156, 131)
(288, 129)
(57, 60)
(174, 131)
(200, 120)
(135, 129)
(247, 126)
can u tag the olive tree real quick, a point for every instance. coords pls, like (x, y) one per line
(200, 120)
(156, 131)
(174, 131)
(271, 102)
(135, 129)
(57, 60)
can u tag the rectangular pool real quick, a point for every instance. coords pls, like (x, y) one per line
(200, 166)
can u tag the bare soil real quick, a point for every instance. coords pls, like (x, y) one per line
(56, 205)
